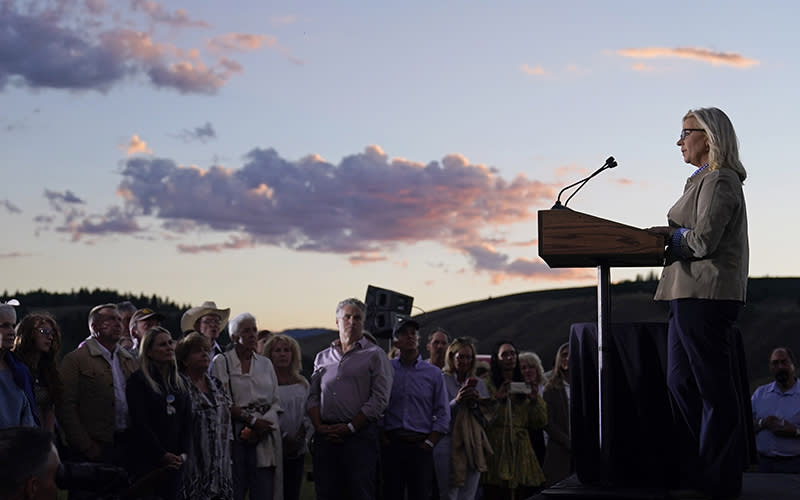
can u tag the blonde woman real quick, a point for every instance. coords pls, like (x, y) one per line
(531, 366)
(296, 428)
(160, 416)
(705, 282)
(458, 474)
(558, 457)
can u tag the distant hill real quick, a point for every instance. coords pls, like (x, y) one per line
(537, 321)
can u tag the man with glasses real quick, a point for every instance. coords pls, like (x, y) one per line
(209, 321)
(94, 413)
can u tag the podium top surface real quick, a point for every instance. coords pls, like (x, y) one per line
(573, 239)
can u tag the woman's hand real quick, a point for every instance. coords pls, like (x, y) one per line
(502, 392)
(262, 427)
(171, 461)
(467, 394)
(663, 231)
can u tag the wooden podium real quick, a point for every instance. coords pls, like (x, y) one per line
(573, 239)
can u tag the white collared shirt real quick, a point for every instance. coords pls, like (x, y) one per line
(120, 400)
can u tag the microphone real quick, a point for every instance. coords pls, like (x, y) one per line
(610, 163)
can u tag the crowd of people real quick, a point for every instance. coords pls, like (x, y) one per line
(194, 420)
(187, 418)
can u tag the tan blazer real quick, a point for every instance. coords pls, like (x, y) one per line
(713, 210)
(87, 413)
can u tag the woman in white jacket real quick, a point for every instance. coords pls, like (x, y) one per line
(252, 385)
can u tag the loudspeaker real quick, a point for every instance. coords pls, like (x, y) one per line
(384, 308)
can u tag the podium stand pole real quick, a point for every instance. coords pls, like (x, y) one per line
(603, 345)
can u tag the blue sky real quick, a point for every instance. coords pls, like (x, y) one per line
(278, 156)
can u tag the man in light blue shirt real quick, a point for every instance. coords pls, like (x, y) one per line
(776, 414)
(418, 415)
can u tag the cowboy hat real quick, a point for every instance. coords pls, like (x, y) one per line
(191, 316)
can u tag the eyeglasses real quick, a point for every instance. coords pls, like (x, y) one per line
(47, 332)
(685, 132)
(6, 325)
(465, 357)
(211, 321)
(508, 354)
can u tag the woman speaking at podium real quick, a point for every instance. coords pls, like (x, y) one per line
(705, 281)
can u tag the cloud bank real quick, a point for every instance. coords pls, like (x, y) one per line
(91, 45)
(364, 207)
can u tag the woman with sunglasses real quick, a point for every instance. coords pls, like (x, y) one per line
(705, 281)
(38, 344)
(160, 417)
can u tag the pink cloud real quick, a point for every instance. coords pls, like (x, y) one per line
(714, 58)
(135, 145)
(366, 258)
(233, 243)
(533, 70)
(15, 255)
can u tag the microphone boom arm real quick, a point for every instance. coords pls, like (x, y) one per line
(610, 163)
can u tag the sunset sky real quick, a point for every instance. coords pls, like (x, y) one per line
(277, 157)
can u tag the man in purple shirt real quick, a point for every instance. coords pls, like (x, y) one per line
(418, 416)
(349, 392)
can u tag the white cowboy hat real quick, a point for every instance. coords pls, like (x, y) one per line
(191, 316)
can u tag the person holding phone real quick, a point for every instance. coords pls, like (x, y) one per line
(513, 471)
(464, 392)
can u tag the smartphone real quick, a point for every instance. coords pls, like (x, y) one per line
(519, 388)
(472, 381)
